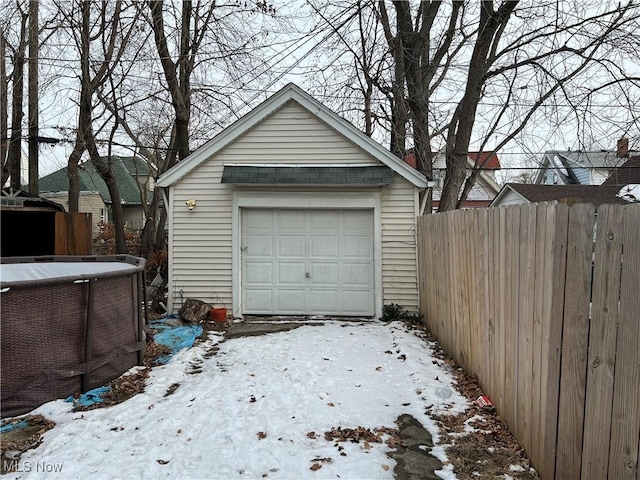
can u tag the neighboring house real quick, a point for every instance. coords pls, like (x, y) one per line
(519, 193)
(293, 211)
(485, 188)
(627, 178)
(577, 168)
(626, 174)
(134, 183)
(621, 186)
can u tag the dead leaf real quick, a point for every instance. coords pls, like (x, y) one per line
(312, 435)
(378, 368)
(162, 462)
(367, 445)
(261, 435)
(331, 404)
(252, 399)
(179, 431)
(315, 466)
(385, 467)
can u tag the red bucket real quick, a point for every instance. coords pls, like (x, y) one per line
(218, 315)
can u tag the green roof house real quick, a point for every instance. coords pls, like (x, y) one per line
(134, 181)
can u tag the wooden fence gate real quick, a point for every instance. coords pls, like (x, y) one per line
(542, 303)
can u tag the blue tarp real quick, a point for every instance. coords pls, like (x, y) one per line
(91, 397)
(175, 336)
(9, 427)
(169, 332)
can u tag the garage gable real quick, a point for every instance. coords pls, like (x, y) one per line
(291, 93)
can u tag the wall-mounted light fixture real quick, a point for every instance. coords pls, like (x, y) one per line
(191, 203)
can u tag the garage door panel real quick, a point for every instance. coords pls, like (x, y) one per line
(326, 301)
(356, 274)
(259, 219)
(291, 300)
(324, 246)
(324, 274)
(324, 220)
(307, 261)
(259, 300)
(259, 245)
(356, 301)
(291, 220)
(358, 220)
(260, 273)
(291, 273)
(291, 246)
(358, 246)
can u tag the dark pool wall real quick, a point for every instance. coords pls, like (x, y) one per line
(62, 337)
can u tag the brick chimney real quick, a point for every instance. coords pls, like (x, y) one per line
(623, 147)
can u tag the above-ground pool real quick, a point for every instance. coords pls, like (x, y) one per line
(68, 324)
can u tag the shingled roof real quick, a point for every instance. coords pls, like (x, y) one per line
(626, 174)
(594, 194)
(246, 174)
(125, 169)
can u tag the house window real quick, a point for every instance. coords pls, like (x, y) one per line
(102, 215)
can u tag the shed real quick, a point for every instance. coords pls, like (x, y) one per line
(292, 210)
(33, 226)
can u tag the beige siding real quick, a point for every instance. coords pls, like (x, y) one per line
(293, 135)
(399, 269)
(201, 240)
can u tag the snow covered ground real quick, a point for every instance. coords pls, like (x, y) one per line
(247, 412)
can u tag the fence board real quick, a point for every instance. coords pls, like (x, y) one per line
(487, 292)
(510, 294)
(557, 219)
(574, 341)
(522, 427)
(602, 343)
(625, 424)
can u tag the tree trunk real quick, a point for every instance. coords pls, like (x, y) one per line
(33, 97)
(103, 167)
(461, 126)
(15, 143)
(73, 175)
(4, 109)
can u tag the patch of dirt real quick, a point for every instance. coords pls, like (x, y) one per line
(153, 352)
(15, 442)
(122, 389)
(489, 449)
(355, 435)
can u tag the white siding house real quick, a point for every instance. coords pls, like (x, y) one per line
(293, 211)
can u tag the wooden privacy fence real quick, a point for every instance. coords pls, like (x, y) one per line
(542, 303)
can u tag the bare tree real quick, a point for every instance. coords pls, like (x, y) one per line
(108, 33)
(11, 165)
(187, 36)
(482, 73)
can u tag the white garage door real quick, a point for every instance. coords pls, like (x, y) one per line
(309, 262)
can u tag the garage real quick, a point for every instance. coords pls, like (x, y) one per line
(307, 261)
(291, 210)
